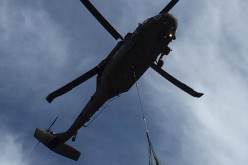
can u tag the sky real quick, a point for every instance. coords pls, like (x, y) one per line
(45, 44)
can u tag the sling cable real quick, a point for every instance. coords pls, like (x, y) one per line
(153, 159)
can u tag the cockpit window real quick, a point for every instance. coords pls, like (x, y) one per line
(146, 20)
(157, 17)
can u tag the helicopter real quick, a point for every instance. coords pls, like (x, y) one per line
(118, 72)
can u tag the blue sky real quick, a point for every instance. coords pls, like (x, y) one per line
(45, 44)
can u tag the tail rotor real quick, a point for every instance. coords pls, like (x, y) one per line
(48, 130)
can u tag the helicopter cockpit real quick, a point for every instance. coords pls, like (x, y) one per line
(165, 21)
(170, 24)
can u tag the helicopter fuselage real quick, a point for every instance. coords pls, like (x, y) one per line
(127, 64)
(118, 72)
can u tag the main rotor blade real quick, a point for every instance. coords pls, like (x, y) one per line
(169, 6)
(72, 84)
(177, 83)
(101, 19)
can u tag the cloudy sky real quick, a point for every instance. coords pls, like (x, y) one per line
(45, 44)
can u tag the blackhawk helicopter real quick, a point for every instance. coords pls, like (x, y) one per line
(118, 72)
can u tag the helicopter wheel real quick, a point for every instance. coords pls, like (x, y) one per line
(160, 63)
(73, 138)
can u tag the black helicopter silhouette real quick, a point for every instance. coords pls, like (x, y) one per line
(117, 73)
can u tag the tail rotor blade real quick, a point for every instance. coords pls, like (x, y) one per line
(48, 129)
(177, 83)
(66, 88)
(52, 123)
(36, 145)
(169, 6)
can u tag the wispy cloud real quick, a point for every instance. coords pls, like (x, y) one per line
(210, 55)
(12, 152)
(31, 44)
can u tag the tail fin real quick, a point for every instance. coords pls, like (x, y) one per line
(49, 140)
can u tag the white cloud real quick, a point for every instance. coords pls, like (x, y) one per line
(16, 151)
(32, 45)
(12, 152)
(210, 55)
(27, 33)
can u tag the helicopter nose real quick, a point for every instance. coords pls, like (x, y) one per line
(170, 21)
(170, 25)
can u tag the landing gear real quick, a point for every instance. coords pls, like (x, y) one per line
(51, 132)
(165, 51)
(74, 137)
(160, 63)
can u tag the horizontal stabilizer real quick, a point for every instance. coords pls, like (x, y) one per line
(49, 140)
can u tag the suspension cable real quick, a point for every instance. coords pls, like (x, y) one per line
(151, 151)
